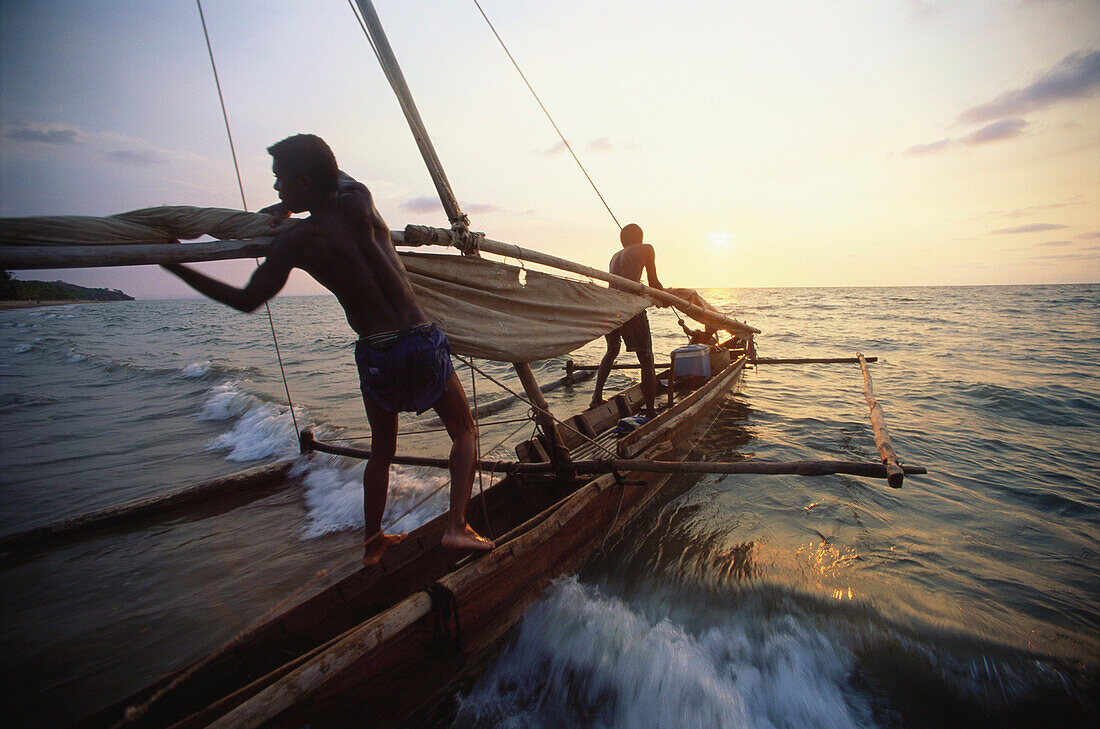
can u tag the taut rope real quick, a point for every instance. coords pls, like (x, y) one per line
(547, 113)
(244, 205)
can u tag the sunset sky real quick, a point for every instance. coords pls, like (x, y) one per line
(864, 142)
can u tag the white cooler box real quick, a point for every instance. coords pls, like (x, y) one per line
(692, 360)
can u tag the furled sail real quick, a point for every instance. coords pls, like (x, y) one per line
(505, 313)
(487, 309)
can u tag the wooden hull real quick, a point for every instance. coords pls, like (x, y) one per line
(372, 650)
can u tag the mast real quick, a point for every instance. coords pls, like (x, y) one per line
(382, 49)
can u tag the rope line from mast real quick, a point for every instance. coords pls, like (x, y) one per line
(244, 206)
(547, 113)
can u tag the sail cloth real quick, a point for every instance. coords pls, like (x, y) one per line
(487, 309)
(165, 224)
(505, 313)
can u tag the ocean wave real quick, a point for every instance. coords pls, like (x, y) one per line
(757, 656)
(262, 429)
(1050, 405)
(334, 496)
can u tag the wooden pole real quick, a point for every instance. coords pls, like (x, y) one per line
(393, 73)
(16, 257)
(558, 452)
(895, 473)
(802, 468)
(224, 486)
(812, 360)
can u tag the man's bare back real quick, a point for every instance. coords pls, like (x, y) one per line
(348, 250)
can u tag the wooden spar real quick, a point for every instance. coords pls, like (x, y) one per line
(558, 452)
(16, 257)
(231, 485)
(609, 465)
(425, 235)
(393, 73)
(895, 473)
(812, 360)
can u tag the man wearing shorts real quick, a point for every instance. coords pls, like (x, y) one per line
(403, 360)
(635, 257)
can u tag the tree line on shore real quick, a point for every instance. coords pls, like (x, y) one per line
(12, 289)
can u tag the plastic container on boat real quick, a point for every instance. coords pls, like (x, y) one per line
(692, 360)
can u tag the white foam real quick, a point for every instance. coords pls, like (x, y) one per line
(196, 369)
(262, 429)
(581, 653)
(334, 497)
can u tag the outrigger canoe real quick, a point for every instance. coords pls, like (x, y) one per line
(391, 644)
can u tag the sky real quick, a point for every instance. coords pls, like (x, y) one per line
(849, 143)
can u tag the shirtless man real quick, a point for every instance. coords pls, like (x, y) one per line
(404, 360)
(635, 257)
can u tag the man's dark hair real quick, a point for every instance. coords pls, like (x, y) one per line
(307, 154)
(630, 234)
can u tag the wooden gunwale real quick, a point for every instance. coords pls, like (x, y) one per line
(553, 540)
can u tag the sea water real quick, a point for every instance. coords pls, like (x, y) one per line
(966, 598)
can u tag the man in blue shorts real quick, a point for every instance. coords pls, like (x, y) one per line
(634, 258)
(404, 360)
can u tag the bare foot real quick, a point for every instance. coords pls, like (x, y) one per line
(596, 402)
(374, 547)
(467, 538)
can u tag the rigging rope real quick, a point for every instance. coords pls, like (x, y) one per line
(244, 205)
(547, 113)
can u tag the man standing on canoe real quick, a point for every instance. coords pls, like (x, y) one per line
(635, 257)
(403, 359)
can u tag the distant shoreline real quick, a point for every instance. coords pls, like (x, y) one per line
(35, 303)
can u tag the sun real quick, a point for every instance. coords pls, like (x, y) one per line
(720, 240)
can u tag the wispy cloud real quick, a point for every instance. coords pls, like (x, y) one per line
(137, 157)
(43, 134)
(599, 146)
(1003, 129)
(481, 209)
(1090, 235)
(1075, 76)
(603, 145)
(1033, 228)
(1056, 243)
(427, 204)
(995, 132)
(422, 205)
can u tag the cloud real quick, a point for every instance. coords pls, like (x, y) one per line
(1033, 228)
(481, 209)
(1057, 243)
(603, 145)
(422, 205)
(43, 135)
(995, 132)
(1090, 235)
(599, 146)
(137, 157)
(1075, 76)
(1003, 129)
(930, 147)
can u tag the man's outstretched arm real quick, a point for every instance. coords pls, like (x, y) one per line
(268, 279)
